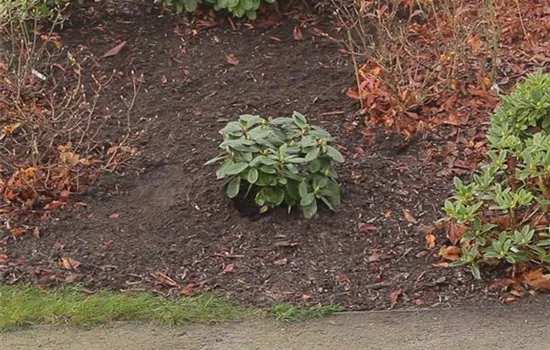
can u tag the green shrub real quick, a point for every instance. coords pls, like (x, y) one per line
(237, 8)
(280, 160)
(504, 211)
(30, 10)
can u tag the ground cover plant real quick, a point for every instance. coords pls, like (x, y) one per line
(280, 160)
(502, 215)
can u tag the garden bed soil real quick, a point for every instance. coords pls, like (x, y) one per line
(166, 215)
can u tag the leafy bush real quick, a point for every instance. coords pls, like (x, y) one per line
(29, 10)
(502, 216)
(280, 160)
(237, 8)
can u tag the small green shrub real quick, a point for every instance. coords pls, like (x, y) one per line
(280, 160)
(503, 213)
(237, 8)
(30, 10)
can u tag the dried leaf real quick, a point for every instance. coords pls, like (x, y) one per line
(450, 253)
(230, 268)
(394, 296)
(540, 284)
(409, 216)
(505, 299)
(364, 227)
(232, 59)
(533, 275)
(430, 240)
(297, 32)
(163, 278)
(281, 262)
(115, 50)
(501, 284)
(17, 231)
(342, 278)
(69, 263)
(374, 257)
(189, 289)
(114, 216)
(455, 231)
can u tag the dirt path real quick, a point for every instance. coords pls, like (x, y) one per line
(497, 328)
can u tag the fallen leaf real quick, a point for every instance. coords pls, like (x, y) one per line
(501, 284)
(455, 231)
(54, 204)
(388, 213)
(394, 296)
(114, 216)
(115, 50)
(17, 231)
(297, 32)
(430, 240)
(342, 278)
(232, 59)
(450, 253)
(363, 227)
(280, 262)
(409, 216)
(163, 278)
(189, 289)
(69, 263)
(505, 299)
(373, 257)
(540, 284)
(230, 268)
(533, 275)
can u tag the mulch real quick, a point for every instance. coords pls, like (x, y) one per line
(165, 222)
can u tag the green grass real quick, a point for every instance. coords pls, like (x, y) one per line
(26, 305)
(22, 306)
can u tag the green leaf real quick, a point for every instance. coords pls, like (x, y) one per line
(190, 5)
(295, 160)
(236, 168)
(251, 14)
(314, 166)
(222, 171)
(299, 119)
(302, 189)
(307, 199)
(312, 155)
(252, 176)
(475, 272)
(274, 195)
(216, 159)
(327, 203)
(335, 154)
(260, 198)
(310, 210)
(233, 187)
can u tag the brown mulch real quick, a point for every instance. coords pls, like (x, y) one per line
(167, 216)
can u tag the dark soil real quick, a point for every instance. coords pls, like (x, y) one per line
(168, 213)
